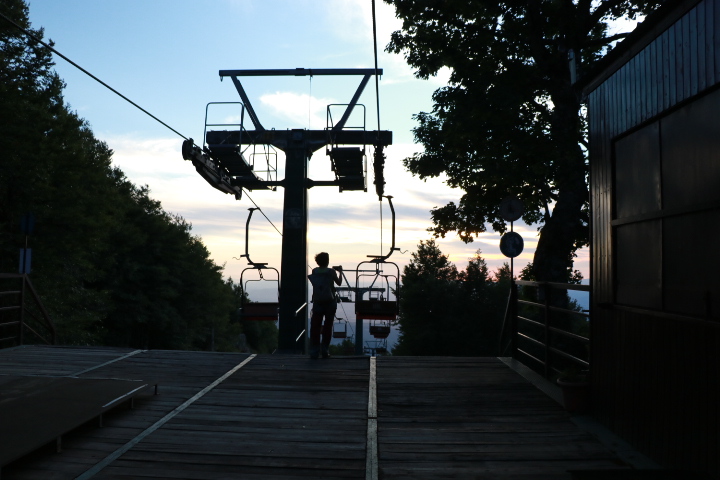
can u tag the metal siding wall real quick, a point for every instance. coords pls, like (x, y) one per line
(675, 420)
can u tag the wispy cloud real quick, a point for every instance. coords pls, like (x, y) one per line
(301, 109)
(345, 224)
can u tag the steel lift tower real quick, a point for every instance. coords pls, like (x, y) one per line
(222, 163)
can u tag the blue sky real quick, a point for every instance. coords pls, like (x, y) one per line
(165, 55)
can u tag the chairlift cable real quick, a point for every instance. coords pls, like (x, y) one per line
(377, 88)
(33, 37)
(261, 211)
(91, 75)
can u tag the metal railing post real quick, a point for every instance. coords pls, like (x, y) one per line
(21, 325)
(513, 318)
(546, 333)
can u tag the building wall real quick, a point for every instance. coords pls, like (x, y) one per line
(655, 192)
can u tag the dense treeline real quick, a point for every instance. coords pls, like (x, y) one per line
(112, 267)
(444, 311)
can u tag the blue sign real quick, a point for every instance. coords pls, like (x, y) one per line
(25, 260)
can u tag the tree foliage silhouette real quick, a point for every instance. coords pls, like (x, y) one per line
(112, 267)
(444, 311)
(510, 120)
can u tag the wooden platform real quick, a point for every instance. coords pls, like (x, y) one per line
(238, 416)
(38, 410)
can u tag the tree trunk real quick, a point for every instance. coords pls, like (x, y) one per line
(564, 230)
(553, 256)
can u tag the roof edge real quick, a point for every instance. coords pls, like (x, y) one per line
(645, 32)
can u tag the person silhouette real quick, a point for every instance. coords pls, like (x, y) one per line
(324, 304)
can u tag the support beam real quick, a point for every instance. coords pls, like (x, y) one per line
(341, 124)
(248, 106)
(293, 283)
(299, 72)
(315, 139)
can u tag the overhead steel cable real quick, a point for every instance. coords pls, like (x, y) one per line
(35, 38)
(377, 87)
(29, 34)
(263, 213)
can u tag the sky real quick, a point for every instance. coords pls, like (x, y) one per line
(165, 56)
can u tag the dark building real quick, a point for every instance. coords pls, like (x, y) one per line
(654, 119)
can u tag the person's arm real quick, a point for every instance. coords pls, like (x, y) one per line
(337, 271)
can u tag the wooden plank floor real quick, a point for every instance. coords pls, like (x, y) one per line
(474, 418)
(296, 418)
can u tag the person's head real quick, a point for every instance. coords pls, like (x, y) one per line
(322, 259)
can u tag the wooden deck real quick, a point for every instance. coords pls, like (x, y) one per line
(238, 416)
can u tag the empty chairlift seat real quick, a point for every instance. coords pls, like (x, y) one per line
(340, 330)
(260, 311)
(376, 309)
(380, 330)
(348, 163)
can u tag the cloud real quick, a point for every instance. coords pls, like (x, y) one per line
(303, 110)
(345, 224)
(351, 21)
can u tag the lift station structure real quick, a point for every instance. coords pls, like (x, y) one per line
(223, 162)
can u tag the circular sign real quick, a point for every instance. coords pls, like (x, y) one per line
(511, 244)
(511, 208)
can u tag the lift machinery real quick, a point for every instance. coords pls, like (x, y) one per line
(222, 163)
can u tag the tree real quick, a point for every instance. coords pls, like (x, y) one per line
(447, 312)
(261, 336)
(346, 347)
(510, 121)
(111, 265)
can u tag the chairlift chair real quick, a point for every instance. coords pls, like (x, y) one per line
(376, 346)
(258, 311)
(374, 302)
(340, 329)
(380, 329)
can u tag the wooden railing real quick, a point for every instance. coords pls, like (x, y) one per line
(22, 314)
(546, 330)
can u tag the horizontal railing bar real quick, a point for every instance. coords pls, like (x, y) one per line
(528, 302)
(559, 286)
(531, 356)
(570, 357)
(534, 322)
(553, 308)
(38, 335)
(567, 310)
(8, 338)
(14, 307)
(11, 292)
(569, 334)
(8, 324)
(538, 342)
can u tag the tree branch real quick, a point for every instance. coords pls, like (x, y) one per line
(608, 40)
(602, 10)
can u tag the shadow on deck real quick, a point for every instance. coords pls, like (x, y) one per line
(220, 415)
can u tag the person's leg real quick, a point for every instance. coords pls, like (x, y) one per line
(327, 331)
(315, 326)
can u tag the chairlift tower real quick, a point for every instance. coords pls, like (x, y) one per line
(222, 163)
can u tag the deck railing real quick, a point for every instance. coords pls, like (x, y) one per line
(547, 330)
(22, 314)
